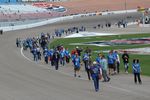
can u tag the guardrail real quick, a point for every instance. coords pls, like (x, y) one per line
(54, 20)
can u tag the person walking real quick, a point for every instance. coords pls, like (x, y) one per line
(18, 42)
(34, 52)
(45, 53)
(96, 74)
(136, 71)
(125, 58)
(62, 57)
(117, 62)
(56, 57)
(104, 65)
(76, 63)
(88, 67)
(111, 63)
(87, 62)
(67, 55)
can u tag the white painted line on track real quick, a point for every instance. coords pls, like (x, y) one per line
(24, 55)
(46, 66)
(121, 89)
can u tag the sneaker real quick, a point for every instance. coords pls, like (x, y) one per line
(126, 72)
(108, 80)
(104, 81)
(140, 83)
(96, 90)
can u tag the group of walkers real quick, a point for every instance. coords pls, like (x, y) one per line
(96, 68)
(71, 30)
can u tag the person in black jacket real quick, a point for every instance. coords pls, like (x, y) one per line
(125, 58)
(79, 50)
(56, 57)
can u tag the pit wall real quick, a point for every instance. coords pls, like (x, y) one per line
(54, 20)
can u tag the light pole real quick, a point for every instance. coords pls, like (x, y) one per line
(125, 5)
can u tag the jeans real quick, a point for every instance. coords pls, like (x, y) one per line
(88, 73)
(35, 57)
(86, 64)
(137, 76)
(126, 65)
(67, 59)
(56, 64)
(62, 61)
(105, 76)
(117, 65)
(96, 82)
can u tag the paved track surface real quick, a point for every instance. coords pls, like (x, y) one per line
(22, 79)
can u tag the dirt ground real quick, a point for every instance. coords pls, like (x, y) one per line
(76, 6)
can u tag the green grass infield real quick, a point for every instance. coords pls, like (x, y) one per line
(71, 43)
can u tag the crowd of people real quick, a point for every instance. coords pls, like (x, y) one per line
(101, 67)
(67, 31)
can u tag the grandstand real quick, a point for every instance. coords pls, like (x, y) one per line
(20, 8)
(12, 10)
(15, 1)
(9, 1)
(23, 13)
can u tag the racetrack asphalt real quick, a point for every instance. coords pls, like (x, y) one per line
(21, 79)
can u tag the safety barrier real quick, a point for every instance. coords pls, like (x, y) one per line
(54, 20)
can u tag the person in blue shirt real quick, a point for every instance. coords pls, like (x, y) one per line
(96, 72)
(136, 71)
(67, 55)
(51, 52)
(76, 62)
(62, 57)
(34, 52)
(111, 62)
(98, 58)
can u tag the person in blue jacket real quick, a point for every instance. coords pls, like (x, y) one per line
(96, 74)
(136, 71)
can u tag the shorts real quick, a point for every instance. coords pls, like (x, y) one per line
(76, 68)
(111, 66)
